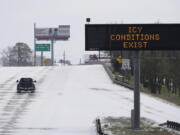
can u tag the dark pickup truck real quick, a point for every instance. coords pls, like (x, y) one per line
(26, 84)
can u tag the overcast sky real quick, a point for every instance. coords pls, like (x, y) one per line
(17, 18)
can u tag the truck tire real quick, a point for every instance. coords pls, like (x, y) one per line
(32, 91)
(18, 91)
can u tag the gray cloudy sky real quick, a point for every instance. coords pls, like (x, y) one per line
(18, 17)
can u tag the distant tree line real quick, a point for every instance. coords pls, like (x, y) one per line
(18, 55)
(159, 69)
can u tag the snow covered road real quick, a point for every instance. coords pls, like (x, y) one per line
(67, 101)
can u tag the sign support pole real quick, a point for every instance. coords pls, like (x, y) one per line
(41, 58)
(34, 45)
(52, 52)
(64, 57)
(99, 55)
(136, 90)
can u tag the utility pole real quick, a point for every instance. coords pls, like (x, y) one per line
(99, 55)
(42, 58)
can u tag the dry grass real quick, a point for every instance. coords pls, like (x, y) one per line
(122, 126)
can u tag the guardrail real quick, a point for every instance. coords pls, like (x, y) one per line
(114, 80)
(173, 125)
(99, 128)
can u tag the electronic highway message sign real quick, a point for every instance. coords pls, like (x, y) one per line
(132, 37)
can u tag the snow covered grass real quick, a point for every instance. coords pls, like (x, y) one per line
(122, 126)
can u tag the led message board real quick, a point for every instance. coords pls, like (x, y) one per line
(132, 37)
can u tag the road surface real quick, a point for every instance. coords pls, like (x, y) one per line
(67, 101)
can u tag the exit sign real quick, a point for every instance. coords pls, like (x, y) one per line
(42, 47)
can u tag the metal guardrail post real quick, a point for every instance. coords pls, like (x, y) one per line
(173, 125)
(98, 127)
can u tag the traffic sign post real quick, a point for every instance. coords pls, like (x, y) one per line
(52, 52)
(136, 121)
(42, 48)
(41, 58)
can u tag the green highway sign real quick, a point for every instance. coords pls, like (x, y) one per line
(42, 47)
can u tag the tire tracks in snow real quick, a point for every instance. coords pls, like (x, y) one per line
(16, 104)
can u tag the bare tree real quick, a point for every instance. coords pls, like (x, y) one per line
(19, 55)
(6, 56)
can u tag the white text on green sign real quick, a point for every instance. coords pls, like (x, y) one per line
(42, 47)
